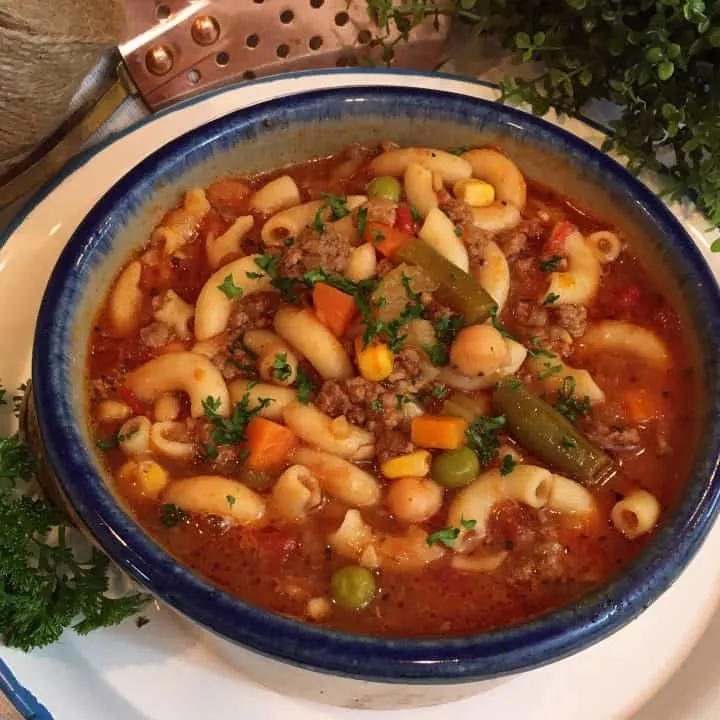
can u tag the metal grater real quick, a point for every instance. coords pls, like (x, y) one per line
(178, 48)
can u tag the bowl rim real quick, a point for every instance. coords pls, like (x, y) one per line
(457, 659)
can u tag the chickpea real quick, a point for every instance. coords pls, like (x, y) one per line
(479, 350)
(414, 500)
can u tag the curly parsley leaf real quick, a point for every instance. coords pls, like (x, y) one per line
(281, 369)
(230, 289)
(482, 438)
(448, 535)
(305, 386)
(231, 431)
(567, 404)
(172, 515)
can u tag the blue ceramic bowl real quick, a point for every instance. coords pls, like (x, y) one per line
(319, 123)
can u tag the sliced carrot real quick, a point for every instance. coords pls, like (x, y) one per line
(334, 308)
(387, 240)
(438, 431)
(268, 443)
(643, 405)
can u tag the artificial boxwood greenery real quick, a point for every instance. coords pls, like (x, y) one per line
(657, 60)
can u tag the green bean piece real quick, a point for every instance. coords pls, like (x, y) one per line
(456, 288)
(463, 406)
(455, 468)
(386, 187)
(550, 436)
(352, 587)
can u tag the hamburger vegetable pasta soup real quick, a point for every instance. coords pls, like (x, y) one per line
(397, 391)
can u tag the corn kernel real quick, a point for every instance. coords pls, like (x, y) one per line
(375, 362)
(474, 192)
(415, 464)
(152, 478)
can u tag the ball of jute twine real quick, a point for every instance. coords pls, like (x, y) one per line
(47, 47)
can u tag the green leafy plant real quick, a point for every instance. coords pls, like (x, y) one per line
(657, 60)
(47, 580)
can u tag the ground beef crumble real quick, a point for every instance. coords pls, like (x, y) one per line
(313, 250)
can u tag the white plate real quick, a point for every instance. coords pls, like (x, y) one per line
(162, 671)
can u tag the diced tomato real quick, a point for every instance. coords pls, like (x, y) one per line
(404, 221)
(555, 245)
(129, 398)
(512, 524)
(627, 298)
(387, 240)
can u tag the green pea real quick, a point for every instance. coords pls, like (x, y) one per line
(455, 468)
(352, 587)
(385, 187)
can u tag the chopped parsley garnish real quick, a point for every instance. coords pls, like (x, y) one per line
(115, 440)
(459, 150)
(268, 263)
(415, 214)
(508, 464)
(281, 369)
(550, 371)
(568, 442)
(447, 327)
(337, 204)
(172, 515)
(289, 241)
(440, 391)
(499, 326)
(286, 285)
(551, 264)
(438, 354)
(231, 431)
(305, 386)
(482, 437)
(362, 221)
(567, 404)
(376, 405)
(513, 383)
(536, 350)
(211, 452)
(377, 236)
(448, 535)
(230, 289)
(404, 400)
(254, 275)
(551, 298)
(458, 231)
(230, 500)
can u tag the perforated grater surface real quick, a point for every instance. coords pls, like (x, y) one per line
(178, 48)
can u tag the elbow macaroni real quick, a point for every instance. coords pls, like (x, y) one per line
(625, 337)
(394, 162)
(213, 306)
(636, 514)
(229, 243)
(579, 283)
(186, 371)
(278, 194)
(302, 330)
(501, 172)
(419, 190)
(332, 435)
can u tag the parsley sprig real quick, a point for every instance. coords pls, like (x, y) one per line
(567, 404)
(50, 579)
(448, 535)
(231, 431)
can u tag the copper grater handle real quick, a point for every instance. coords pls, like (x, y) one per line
(178, 48)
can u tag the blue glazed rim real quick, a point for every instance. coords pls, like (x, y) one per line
(521, 647)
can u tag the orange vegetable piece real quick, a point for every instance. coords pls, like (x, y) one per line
(387, 240)
(334, 308)
(269, 444)
(438, 431)
(643, 405)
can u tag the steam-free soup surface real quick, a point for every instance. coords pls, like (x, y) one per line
(306, 406)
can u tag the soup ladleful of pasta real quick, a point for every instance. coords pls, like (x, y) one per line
(396, 391)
